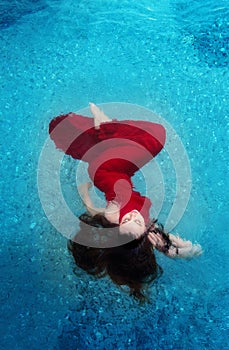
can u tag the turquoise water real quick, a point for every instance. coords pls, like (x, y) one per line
(170, 57)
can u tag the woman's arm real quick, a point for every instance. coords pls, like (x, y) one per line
(84, 193)
(174, 246)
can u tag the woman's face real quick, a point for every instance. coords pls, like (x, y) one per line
(133, 224)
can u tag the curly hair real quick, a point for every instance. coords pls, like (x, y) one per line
(132, 264)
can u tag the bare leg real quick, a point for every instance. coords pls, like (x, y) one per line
(99, 116)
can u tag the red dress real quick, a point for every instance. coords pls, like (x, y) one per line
(114, 153)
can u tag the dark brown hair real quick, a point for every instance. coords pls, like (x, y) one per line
(132, 264)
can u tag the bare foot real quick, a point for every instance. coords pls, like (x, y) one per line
(99, 116)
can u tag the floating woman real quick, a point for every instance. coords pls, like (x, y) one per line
(114, 151)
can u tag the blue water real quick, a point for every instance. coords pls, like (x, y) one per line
(168, 56)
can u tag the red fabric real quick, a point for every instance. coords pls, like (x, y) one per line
(114, 153)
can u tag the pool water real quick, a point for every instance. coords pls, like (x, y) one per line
(170, 57)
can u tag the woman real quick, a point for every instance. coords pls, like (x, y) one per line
(114, 151)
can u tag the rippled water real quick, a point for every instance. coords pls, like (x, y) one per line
(168, 56)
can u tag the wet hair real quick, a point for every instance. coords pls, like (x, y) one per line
(132, 264)
(158, 229)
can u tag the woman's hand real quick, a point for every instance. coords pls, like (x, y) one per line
(178, 248)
